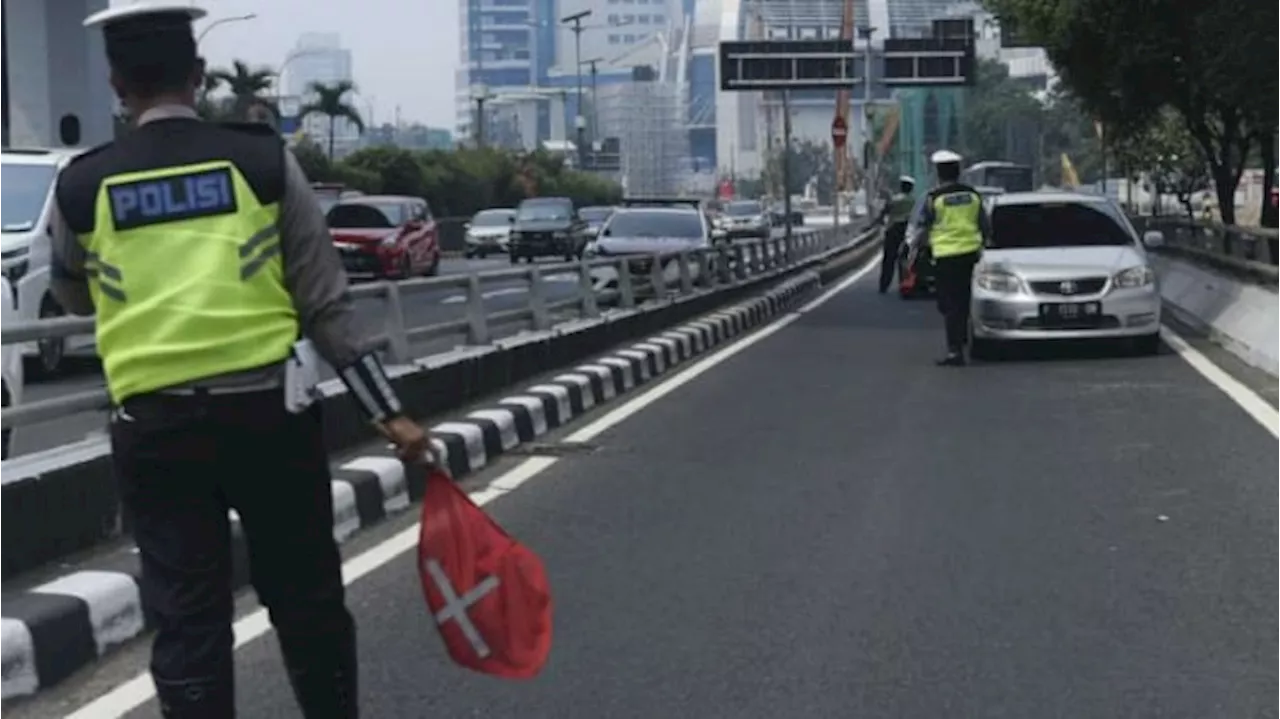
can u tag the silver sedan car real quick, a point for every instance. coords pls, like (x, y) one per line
(1064, 266)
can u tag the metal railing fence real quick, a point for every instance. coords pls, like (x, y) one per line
(623, 282)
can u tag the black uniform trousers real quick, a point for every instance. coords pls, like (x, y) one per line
(953, 277)
(182, 461)
(893, 238)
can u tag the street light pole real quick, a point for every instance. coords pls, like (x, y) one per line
(595, 106)
(222, 22)
(575, 20)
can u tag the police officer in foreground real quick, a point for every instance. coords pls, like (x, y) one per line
(205, 258)
(897, 212)
(954, 225)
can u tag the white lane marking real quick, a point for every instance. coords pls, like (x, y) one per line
(1248, 400)
(132, 694)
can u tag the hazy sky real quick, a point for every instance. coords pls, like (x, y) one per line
(403, 51)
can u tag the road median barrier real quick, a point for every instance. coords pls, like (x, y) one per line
(54, 629)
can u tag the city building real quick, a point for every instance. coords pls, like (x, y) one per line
(320, 58)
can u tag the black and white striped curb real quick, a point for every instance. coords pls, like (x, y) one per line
(53, 630)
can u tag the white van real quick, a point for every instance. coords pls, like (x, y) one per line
(26, 196)
(10, 361)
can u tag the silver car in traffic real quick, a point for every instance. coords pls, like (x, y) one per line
(1064, 266)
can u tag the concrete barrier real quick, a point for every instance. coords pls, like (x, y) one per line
(1241, 316)
(67, 623)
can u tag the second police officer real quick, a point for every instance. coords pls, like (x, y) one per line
(205, 258)
(954, 224)
(897, 212)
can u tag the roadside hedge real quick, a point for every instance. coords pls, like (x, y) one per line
(458, 182)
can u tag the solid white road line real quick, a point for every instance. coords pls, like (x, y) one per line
(1248, 400)
(132, 694)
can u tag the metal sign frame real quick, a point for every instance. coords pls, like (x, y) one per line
(928, 62)
(755, 65)
(763, 65)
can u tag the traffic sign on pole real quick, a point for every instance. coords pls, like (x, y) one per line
(839, 131)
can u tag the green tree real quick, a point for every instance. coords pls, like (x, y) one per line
(248, 87)
(809, 161)
(331, 101)
(1173, 161)
(1210, 60)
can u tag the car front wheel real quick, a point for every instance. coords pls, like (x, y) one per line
(51, 354)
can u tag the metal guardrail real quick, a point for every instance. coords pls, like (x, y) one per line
(1249, 251)
(636, 280)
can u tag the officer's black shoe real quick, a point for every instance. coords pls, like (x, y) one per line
(196, 699)
(953, 359)
(326, 687)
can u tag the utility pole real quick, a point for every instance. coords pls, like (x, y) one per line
(868, 185)
(786, 164)
(575, 21)
(595, 107)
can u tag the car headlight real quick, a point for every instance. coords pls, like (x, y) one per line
(15, 271)
(1140, 276)
(560, 235)
(1000, 282)
(388, 241)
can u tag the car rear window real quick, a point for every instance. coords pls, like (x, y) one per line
(1056, 224)
(352, 215)
(639, 223)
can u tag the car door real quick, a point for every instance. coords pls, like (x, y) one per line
(430, 232)
(415, 236)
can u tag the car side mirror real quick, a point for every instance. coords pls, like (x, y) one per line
(606, 232)
(1153, 239)
(466, 225)
(511, 220)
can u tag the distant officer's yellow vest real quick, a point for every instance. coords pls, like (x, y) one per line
(955, 229)
(186, 277)
(900, 207)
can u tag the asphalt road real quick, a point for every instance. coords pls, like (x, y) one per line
(827, 525)
(421, 309)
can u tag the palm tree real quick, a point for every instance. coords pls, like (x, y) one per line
(248, 87)
(330, 101)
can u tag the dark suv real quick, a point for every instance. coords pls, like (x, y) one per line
(547, 226)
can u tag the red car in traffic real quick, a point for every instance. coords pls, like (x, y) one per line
(385, 236)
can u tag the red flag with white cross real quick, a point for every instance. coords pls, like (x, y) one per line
(488, 594)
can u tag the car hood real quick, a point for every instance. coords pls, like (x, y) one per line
(542, 226)
(489, 231)
(646, 245)
(1056, 262)
(353, 236)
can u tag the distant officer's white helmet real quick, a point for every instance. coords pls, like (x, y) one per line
(907, 180)
(943, 157)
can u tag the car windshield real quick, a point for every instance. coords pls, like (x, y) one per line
(595, 214)
(23, 194)
(1056, 224)
(492, 218)
(366, 216)
(544, 211)
(743, 209)
(667, 225)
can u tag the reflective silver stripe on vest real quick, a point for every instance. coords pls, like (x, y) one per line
(268, 240)
(106, 275)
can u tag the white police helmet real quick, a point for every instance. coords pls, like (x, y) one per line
(907, 180)
(944, 157)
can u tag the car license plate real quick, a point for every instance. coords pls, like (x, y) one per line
(1065, 312)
